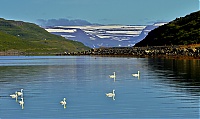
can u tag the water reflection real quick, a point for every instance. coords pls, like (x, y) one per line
(183, 74)
(84, 81)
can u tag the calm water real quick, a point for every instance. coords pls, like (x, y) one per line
(166, 88)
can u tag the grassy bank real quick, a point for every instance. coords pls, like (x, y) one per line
(28, 38)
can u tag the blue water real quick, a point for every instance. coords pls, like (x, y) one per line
(166, 88)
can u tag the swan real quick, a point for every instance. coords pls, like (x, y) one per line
(63, 102)
(111, 94)
(20, 93)
(14, 95)
(137, 75)
(21, 102)
(113, 76)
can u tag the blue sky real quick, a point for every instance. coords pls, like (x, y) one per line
(127, 12)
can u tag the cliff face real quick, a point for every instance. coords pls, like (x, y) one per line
(181, 31)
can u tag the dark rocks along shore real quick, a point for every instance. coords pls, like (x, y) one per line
(151, 51)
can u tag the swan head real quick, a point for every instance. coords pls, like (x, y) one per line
(22, 89)
(64, 99)
(138, 72)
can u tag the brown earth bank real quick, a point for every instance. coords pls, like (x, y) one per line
(180, 51)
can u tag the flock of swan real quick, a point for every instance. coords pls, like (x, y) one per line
(63, 102)
(16, 95)
(112, 94)
(21, 102)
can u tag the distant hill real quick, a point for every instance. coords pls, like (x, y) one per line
(63, 22)
(28, 37)
(181, 31)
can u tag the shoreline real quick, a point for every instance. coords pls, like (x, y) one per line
(172, 52)
(175, 52)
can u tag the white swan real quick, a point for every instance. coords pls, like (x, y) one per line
(63, 102)
(21, 102)
(20, 93)
(14, 95)
(137, 75)
(111, 94)
(113, 76)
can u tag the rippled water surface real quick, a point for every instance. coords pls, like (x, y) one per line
(166, 88)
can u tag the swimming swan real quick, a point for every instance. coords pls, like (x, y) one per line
(113, 76)
(14, 95)
(63, 102)
(21, 102)
(111, 94)
(137, 75)
(20, 93)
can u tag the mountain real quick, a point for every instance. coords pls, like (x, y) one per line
(149, 28)
(28, 37)
(63, 22)
(181, 31)
(96, 36)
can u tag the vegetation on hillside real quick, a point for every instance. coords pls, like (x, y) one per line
(30, 38)
(181, 31)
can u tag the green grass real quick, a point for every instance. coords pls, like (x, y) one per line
(30, 38)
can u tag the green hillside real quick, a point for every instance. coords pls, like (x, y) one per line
(181, 31)
(30, 38)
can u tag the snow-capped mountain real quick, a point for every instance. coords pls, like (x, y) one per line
(104, 36)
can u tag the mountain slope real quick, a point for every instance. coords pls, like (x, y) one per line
(28, 37)
(11, 42)
(181, 31)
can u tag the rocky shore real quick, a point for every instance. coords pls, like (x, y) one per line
(151, 51)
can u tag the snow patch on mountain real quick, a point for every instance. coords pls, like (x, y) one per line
(96, 36)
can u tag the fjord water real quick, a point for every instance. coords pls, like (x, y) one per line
(166, 88)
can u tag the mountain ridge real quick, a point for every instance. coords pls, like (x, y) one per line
(181, 31)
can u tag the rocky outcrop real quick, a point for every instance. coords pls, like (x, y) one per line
(153, 51)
